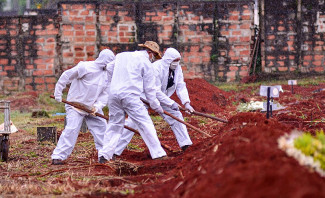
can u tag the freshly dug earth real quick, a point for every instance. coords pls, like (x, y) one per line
(241, 159)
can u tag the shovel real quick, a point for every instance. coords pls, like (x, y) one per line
(204, 115)
(107, 118)
(179, 120)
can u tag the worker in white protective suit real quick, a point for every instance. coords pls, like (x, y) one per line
(133, 74)
(89, 88)
(169, 78)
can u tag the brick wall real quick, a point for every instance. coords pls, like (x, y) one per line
(214, 38)
(28, 53)
(294, 37)
(196, 29)
(78, 34)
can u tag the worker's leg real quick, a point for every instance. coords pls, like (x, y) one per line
(139, 115)
(97, 127)
(125, 138)
(114, 129)
(69, 135)
(178, 128)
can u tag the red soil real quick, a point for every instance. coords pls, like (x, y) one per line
(241, 159)
(24, 101)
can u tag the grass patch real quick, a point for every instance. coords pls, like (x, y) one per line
(156, 118)
(131, 146)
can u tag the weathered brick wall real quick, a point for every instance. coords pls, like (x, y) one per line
(214, 38)
(28, 53)
(78, 34)
(196, 29)
(294, 38)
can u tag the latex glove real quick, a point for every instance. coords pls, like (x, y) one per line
(189, 108)
(174, 107)
(94, 111)
(58, 98)
(159, 110)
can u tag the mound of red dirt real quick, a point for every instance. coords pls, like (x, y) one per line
(205, 97)
(242, 160)
(24, 101)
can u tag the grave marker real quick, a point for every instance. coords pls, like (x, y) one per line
(270, 92)
(47, 134)
(292, 82)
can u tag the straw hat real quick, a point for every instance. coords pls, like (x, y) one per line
(153, 46)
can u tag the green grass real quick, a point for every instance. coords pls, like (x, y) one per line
(134, 147)
(156, 118)
(49, 104)
(237, 86)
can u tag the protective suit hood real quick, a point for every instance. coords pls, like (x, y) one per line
(170, 55)
(105, 56)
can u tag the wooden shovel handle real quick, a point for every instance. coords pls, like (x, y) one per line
(204, 115)
(179, 120)
(107, 118)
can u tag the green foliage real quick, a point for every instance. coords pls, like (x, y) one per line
(202, 121)
(134, 147)
(50, 104)
(214, 58)
(127, 192)
(105, 110)
(312, 146)
(30, 154)
(321, 137)
(156, 118)
(304, 143)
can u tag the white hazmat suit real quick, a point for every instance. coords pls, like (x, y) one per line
(133, 74)
(89, 88)
(161, 74)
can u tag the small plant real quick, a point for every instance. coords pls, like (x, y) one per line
(159, 134)
(127, 192)
(156, 118)
(134, 147)
(303, 116)
(57, 191)
(36, 173)
(202, 122)
(312, 146)
(304, 143)
(30, 154)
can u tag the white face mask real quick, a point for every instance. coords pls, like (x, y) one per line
(173, 65)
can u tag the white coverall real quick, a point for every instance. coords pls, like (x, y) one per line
(89, 87)
(133, 74)
(161, 74)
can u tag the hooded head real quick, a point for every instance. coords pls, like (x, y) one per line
(105, 56)
(170, 55)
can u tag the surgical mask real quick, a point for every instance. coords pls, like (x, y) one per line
(173, 65)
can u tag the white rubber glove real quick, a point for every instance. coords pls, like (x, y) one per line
(58, 98)
(159, 110)
(188, 107)
(174, 107)
(95, 110)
